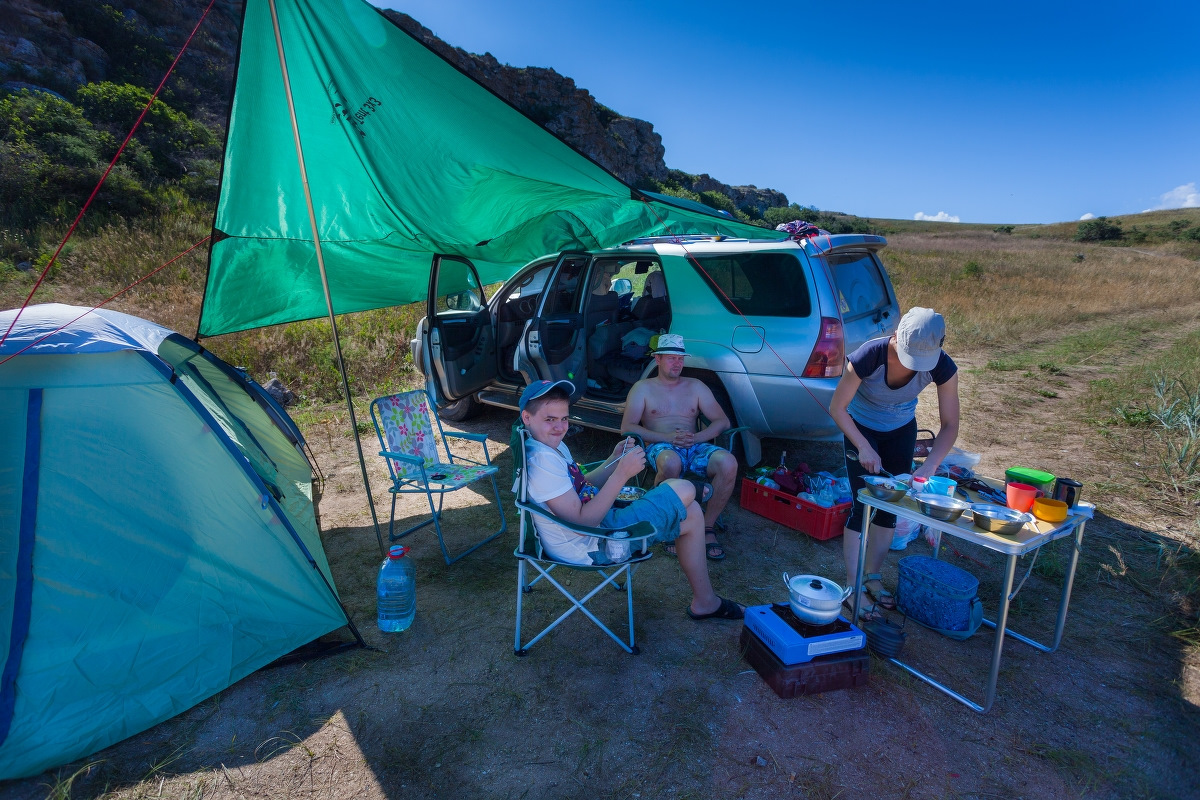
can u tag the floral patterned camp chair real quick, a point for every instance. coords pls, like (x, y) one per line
(408, 446)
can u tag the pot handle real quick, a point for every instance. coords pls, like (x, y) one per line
(787, 581)
(849, 590)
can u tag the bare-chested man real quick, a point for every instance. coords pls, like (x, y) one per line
(664, 411)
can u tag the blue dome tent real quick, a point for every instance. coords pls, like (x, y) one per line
(158, 540)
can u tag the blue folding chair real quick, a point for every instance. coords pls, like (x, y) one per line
(408, 446)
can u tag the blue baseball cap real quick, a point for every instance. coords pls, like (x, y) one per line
(539, 388)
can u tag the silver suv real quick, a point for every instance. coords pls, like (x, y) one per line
(767, 326)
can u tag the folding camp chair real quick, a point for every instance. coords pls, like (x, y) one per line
(529, 552)
(402, 422)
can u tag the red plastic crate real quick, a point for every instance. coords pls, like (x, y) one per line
(799, 515)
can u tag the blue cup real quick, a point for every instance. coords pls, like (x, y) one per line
(940, 485)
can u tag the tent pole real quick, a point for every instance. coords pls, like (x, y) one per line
(312, 220)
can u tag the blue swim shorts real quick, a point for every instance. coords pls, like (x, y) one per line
(660, 506)
(694, 458)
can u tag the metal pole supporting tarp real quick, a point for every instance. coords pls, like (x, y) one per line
(312, 220)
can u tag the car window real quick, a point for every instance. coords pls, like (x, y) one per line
(860, 285)
(563, 295)
(457, 289)
(532, 283)
(757, 284)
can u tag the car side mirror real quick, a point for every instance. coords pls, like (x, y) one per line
(623, 286)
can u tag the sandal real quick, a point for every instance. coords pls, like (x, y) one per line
(867, 612)
(704, 490)
(883, 598)
(727, 610)
(713, 550)
(669, 549)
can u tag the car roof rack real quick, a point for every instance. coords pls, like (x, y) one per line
(685, 239)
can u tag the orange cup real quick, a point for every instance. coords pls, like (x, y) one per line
(1021, 496)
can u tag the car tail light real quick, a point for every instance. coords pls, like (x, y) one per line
(828, 353)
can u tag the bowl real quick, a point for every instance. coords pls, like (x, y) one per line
(940, 507)
(628, 494)
(1049, 510)
(998, 519)
(888, 489)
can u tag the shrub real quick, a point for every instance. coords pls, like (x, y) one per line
(1005, 229)
(1098, 230)
(972, 269)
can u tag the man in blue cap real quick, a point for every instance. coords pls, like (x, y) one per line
(556, 482)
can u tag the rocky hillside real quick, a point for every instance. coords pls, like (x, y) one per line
(60, 45)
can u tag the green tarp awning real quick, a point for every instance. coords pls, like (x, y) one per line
(406, 157)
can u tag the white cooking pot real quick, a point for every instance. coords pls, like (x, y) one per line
(814, 599)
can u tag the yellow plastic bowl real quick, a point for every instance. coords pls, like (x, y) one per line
(1049, 510)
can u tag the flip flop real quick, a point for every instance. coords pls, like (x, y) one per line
(727, 610)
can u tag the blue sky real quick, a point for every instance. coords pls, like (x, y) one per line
(1013, 112)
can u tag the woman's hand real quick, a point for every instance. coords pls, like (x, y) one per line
(870, 460)
(926, 470)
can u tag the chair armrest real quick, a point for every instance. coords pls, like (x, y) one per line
(637, 531)
(474, 437)
(405, 457)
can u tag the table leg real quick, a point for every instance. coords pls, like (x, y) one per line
(868, 515)
(1010, 571)
(1063, 603)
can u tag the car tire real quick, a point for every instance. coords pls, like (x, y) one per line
(461, 409)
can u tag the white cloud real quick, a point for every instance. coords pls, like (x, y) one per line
(1184, 196)
(942, 216)
(1088, 215)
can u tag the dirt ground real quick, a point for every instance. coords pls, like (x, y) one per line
(446, 710)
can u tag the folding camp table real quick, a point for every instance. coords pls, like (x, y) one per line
(1031, 537)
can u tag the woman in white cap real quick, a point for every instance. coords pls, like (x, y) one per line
(875, 404)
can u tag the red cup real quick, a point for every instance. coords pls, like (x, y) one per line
(1021, 496)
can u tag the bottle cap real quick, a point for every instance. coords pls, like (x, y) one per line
(397, 551)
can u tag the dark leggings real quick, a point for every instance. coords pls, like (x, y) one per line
(895, 449)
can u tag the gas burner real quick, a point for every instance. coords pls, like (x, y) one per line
(796, 642)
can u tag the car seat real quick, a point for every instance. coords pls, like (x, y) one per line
(653, 308)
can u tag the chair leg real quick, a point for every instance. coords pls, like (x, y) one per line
(517, 649)
(477, 545)
(579, 604)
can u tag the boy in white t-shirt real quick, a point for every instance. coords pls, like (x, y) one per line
(555, 482)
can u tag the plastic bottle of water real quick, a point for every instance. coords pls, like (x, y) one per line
(617, 548)
(397, 591)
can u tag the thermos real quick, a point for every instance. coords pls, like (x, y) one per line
(1067, 490)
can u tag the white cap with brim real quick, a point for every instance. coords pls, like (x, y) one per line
(669, 344)
(919, 339)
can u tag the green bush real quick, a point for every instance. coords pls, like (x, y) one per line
(1005, 229)
(1098, 230)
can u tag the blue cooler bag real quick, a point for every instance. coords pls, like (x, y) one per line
(940, 596)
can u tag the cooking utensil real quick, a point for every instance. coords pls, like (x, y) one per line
(1067, 490)
(1021, 495)
(939, 485)
(853, 456)
(940, 507)
(888, 489)
(1049, 510)
(998, 519)
(814, 599)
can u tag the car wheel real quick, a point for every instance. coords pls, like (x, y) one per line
(461, 409)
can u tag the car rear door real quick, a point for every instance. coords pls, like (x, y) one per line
(554, 342)
(864, 295)
(461, 338)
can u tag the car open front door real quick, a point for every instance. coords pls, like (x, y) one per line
(554, 341)
(462, 341)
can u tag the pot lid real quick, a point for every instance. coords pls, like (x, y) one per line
(815, 587)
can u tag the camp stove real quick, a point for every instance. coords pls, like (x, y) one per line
(797, 642)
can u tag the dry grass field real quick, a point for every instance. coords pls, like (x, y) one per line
(1061, 344)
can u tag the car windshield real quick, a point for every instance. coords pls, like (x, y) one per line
(757, 284)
